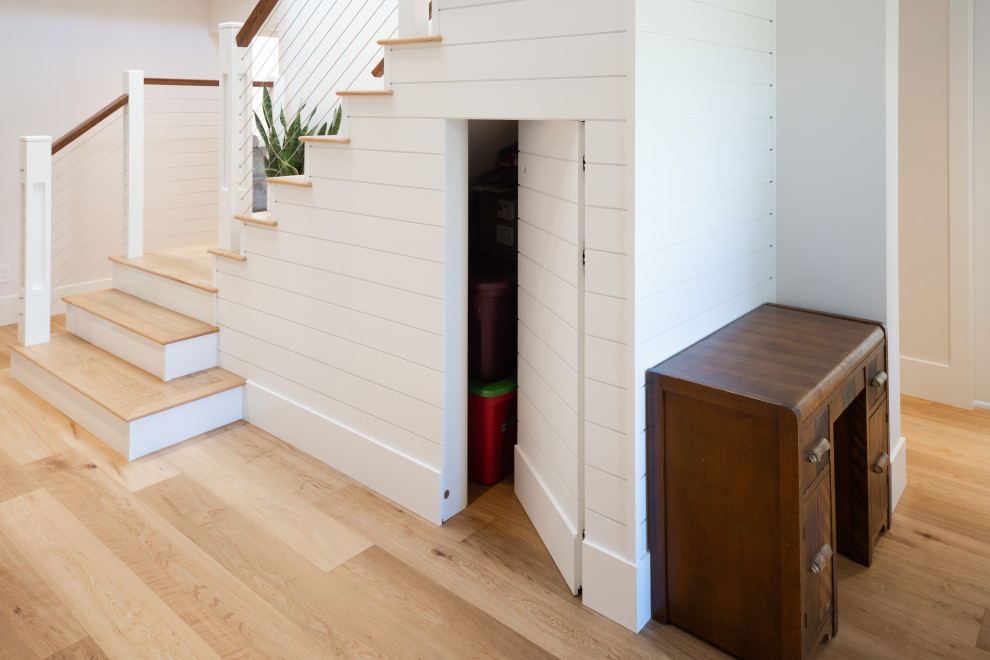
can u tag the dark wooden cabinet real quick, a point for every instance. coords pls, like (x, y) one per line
(767, 453)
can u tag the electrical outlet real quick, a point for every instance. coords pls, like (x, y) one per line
(4, 273)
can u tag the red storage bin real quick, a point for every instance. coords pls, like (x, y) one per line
(491, 430)
(492, 297)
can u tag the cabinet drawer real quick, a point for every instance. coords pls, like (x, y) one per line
(879, 471)
(876, 377)
(817, 561)
(814, 449)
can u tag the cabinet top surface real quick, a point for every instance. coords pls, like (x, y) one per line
(784, 356)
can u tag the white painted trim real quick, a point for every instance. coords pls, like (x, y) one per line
(926, 380)
(190, 355)
(455, 317)
(8, 304)
(8, 310)
(563, 541)
(134, 164)
(960, 393)
(892, 323)
(36, 240)
(182, 298)
(898, 472)
(982, 404)
(403, 480)
(172, 426)
(616, 588)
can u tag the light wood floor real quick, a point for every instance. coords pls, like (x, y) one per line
(235, 545)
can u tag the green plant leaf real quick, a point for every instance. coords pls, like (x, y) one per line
(335, 126)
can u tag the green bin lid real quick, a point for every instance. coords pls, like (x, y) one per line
(488, 390)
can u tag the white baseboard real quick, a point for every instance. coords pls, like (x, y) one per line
(898, 472)
(926, 380)
(616, 588)
(401, 479)
(9, 305)
(981, 404)
(561, 539)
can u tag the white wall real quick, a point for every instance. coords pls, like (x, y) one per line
(837, 166)
(704, 193)
(66, 62)
(981, 200)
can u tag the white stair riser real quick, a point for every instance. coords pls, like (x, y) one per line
(182, 298)
(167, 361)
(141, 436)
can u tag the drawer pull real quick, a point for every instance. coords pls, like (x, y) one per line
(819, 450)
(881, 463)
(879, 379)
(820, 560)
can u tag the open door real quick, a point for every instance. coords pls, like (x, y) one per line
(549, 461)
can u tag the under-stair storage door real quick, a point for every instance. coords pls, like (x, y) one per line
(549, 455)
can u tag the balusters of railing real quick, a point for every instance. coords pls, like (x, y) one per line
(134, 164)
(34, 320)
(235, 143)
(414, 19)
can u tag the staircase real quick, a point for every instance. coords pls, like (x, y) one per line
(136, 366)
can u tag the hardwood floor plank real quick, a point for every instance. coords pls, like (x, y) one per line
(119, 611)
(983, 641)
(301, 473)
(84, 649)
(14, 479)
(34, 623)
(559, 625)
(264, 499)
(269, 567)
(416, 606)
(225, 613)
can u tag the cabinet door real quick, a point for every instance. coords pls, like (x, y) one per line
(879, 469)
(816, 563)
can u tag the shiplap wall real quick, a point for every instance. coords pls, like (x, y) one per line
(182, 138)
(340, 309)
(87, 209)
(517, 59)
(704, 192)
(549, 398)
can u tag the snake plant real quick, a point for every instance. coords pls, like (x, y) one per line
(285, 150)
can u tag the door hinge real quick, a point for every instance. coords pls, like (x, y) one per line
(583, 531)
(584, 256)
(584, 163)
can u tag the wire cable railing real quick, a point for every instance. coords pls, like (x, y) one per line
(308, 50)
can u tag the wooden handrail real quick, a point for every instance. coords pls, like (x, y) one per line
(254, 22)
(193, 82)
(99, 116)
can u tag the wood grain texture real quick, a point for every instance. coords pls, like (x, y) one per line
(189, 264)
(127, 391)
(410, 40)
(297, 180)
(365, 92)
(154, 322)
(229, 580)
(262, 218)
(92, 121)
(227, 254)
(325, 139)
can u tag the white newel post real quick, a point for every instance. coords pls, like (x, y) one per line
(414, 18)
(134, 164)
(34, 315)
(235, 136)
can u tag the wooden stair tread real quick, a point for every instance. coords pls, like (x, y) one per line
(127, 391)
(299, 180)
(190, 264)
(325, 139)
(159, 324)
(410, 40)
(263, 218)
(227, 254)
(365, 92)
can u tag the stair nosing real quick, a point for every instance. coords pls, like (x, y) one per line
(227, 254)
(207, 328)
(433, 38)
(140, 412)
(298, 180)
(256, 220)
(124, 261)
